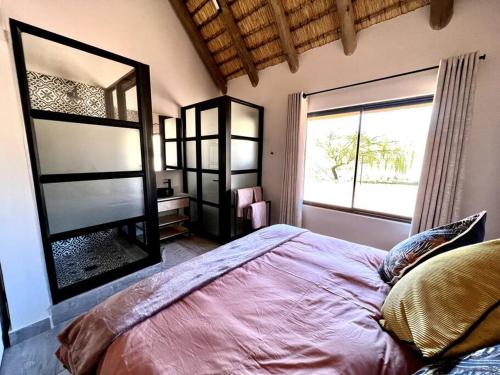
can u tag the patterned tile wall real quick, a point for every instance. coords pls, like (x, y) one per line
(58, 94)
(82, 257)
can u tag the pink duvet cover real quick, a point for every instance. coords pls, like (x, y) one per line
(309, 306)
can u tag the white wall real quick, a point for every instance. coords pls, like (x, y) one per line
(147, 31)
(401, 44)
(21, 249)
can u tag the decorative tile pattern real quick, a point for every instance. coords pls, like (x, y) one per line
(61, 95)
(80, 258)
(132, 115)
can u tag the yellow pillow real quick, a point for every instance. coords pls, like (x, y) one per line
(448, 305)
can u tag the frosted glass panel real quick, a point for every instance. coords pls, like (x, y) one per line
(210, 154)
(171, 153)
(211, 219)
(114, 110)
(209, 121)
(192, 184)
(193, 212)
(66, 147)
(157, 152)
(244, 154)
(244, 120)
(191, 123)
(131, 104)
(210, 187)
(191, 154)
(239, 181)
(79, 204)
(170, 128)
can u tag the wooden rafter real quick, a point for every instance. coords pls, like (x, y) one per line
(285, 35)
(234, 32)
(199, 44)
(347, 29)
(441, 13)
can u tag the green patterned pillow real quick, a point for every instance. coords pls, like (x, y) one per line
(407, 254)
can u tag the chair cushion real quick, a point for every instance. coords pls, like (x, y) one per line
(448, 305)
(422, 246)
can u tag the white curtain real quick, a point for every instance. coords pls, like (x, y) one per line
(440, 190)
(293, 172)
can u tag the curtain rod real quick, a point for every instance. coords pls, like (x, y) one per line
(482, 57)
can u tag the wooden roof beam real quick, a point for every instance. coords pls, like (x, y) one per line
(347, 29)
(234, 32)
(441, 13)
(285, 35)
(199, 44)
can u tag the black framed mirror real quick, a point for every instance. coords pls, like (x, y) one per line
(87, 115)
(171, 142)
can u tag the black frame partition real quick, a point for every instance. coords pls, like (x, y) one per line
(165, 142)
(222, 175)
(120, 86)
(149, 220)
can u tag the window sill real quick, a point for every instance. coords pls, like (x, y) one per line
(378, 215)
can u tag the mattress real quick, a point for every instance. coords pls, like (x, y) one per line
(308, 304)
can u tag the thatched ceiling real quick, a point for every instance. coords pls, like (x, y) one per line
(311, 23)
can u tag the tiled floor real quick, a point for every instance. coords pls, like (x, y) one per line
(35, 356)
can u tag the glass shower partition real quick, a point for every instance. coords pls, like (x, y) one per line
(246, 152)
(223, 152)
(88, 123)
(202, 126)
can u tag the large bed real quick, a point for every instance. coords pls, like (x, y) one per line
(281, 300)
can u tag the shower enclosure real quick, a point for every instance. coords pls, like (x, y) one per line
(222, 140)
(88, 123)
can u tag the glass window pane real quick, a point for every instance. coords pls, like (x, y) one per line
(131, 104)
(210, 187)
(391, 152)
(244, 120)
(80, 204)
(192, 184)
(170, 128)
(191, 154)
(66, 147)
(193, 211)
(330, 158)
(211, 219)
(191, 122)
(244, 154)
(209, 121)
(157, 152)
(210, 154)
(244, 180)
(171, 153)
(82, 257)
(114, 109)
(239, 181)
(68, 80)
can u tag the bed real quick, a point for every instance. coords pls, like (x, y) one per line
(281, 300)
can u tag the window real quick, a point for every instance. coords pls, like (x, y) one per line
(157, 152)
(367, 158)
